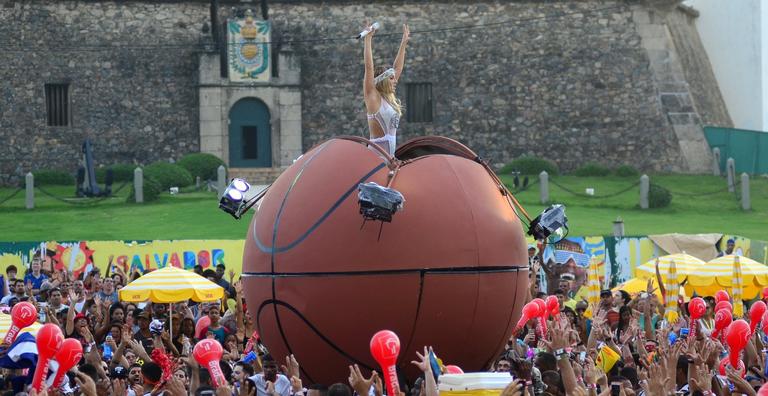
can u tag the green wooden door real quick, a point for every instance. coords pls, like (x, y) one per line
(250, 143)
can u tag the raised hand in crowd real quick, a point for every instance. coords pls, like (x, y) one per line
(358, 382)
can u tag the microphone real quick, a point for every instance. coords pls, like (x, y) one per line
(365, 32)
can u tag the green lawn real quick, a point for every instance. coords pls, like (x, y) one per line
(196, 215)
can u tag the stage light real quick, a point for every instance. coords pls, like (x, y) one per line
(551, 224)
(238, 197)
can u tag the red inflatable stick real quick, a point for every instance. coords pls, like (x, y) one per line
(723, 319)
(553, 306)
(739, 367)
(696, 308)
(737, 337)
(202, 326)
(724, 305)
(23, 314)
(543, 314)
(722, 295)
(68, 356)
(453, 369)
(49, 340)
(530, 311)
(385, 346)
(756, 313)
(208, 353)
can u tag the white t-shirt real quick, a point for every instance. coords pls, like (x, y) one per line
(282, 385)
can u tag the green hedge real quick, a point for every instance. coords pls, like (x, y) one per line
(659, 197)
(47, 177)
(152, 190)
(627, 171)
(530, 166)
(592, 169)
(203, 165)
(168, 174)
(120, 173)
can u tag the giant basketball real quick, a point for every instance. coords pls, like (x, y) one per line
(449, 271)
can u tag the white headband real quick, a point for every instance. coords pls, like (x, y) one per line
(386, 74)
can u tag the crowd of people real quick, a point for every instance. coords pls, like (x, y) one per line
(620, 346)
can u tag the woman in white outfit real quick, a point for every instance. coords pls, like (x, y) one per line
(381, 104)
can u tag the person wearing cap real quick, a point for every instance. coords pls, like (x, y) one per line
(730, 245)
(143, 335)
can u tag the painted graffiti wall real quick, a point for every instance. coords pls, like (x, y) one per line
(617, 257)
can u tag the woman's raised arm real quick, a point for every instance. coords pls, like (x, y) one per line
(400, 58)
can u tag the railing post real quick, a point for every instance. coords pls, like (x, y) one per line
(29, 182)
(716, 161)
(138, 184)
(544, 186)
(746, 202)
(645, 186)
(221, 181)
(730, 169)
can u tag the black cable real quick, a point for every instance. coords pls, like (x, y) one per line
(13, 194)
(566, 189)
(82, 203)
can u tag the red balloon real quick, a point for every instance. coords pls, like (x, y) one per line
(201, 326)
(385, 346)
(763, 390)
(723, 319)
(530, 311)
(207, 353)
(543, 313)
(739, 367)
(724, 304)
(722, 295)
(737, 337)
(553, 305)
(542, 306)
(49, 340)
(756, 313)
(69, 354)
(765, 323)
(697, 307)
(453, 369)
(23, 315)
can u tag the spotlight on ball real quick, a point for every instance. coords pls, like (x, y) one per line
(552, 222)
(238, 197)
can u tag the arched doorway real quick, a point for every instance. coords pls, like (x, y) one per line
(250, 135)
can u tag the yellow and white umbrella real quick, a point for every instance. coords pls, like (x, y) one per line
(685, 265)
(718, 274)
(593, 286)
(737, 288)
(170, 285)
(636, 286)
(672, 287)
(5, 324)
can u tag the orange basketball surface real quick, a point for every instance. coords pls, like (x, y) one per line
(449, 271)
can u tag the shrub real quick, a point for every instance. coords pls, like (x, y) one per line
(592, 169)
(120, 173)
(530, 166)
(168, 174)
(152, 190)
(658, 197)
(46, 177)
(203, 165)
(627, 171)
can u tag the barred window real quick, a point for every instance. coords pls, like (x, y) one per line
(418, 102)
(57, 104)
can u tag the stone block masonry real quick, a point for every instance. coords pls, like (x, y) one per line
(566, 80)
